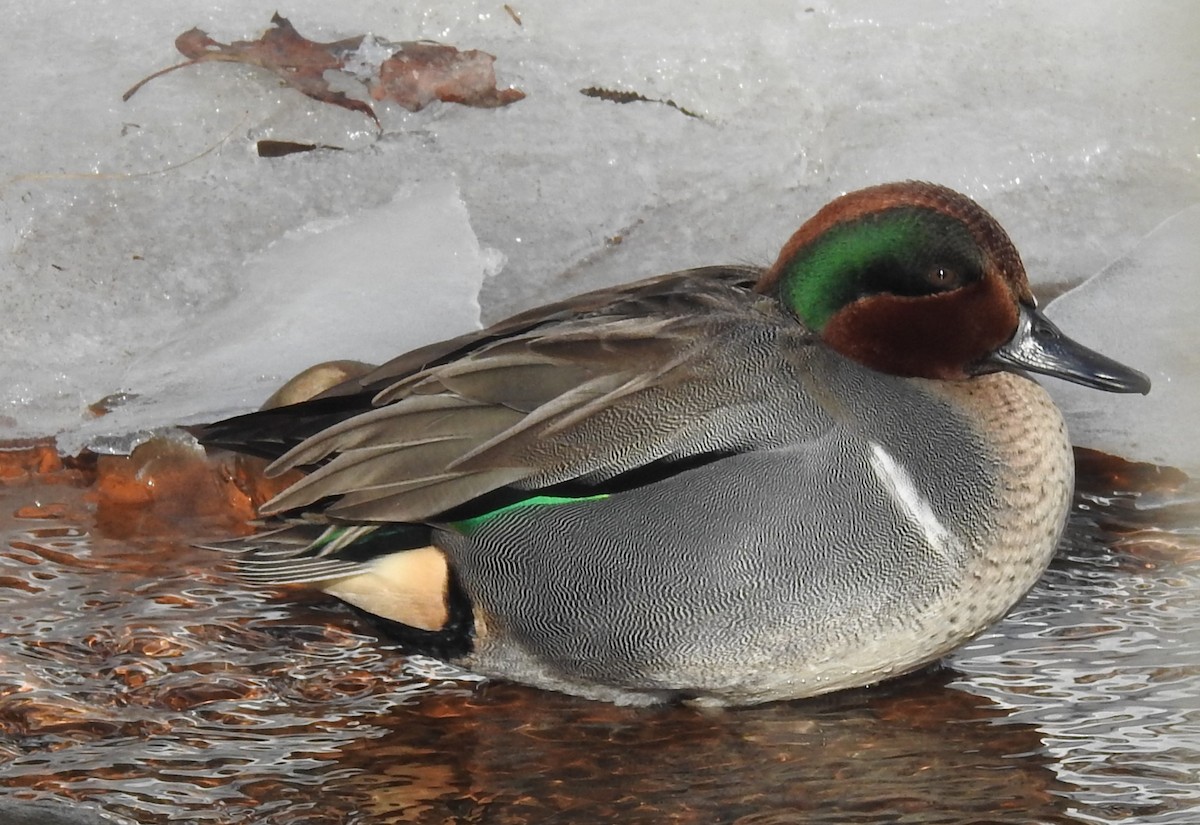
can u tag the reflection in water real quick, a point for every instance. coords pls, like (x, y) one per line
(136, 675)
(916, 750)
(1104, 655)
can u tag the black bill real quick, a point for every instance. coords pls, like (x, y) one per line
(1039, 346)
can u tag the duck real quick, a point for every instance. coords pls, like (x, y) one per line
(722, 486)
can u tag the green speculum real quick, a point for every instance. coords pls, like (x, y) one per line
(891, 251)
(469, 526)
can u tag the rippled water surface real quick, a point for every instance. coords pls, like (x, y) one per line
(140, 678)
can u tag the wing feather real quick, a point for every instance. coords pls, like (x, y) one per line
(579, 390)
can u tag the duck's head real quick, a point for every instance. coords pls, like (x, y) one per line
(914, 279)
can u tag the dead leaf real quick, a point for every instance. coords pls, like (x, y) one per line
(299, 62)
(19, 460)
(416, 73)
(619, 96)
(1104, 474)
(421, 73)
(110, 402)
(282, 148)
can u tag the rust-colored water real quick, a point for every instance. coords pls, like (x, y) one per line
(139, 677)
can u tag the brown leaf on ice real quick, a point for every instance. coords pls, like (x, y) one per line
(299, 62)
(282, 148)
(414, 75)
(421, 73)
(619, 96)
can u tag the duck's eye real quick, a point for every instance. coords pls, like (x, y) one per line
(943, 278)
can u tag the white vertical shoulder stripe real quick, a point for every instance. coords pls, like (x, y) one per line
(899, 484)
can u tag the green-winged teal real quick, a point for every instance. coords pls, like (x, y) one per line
(726, 484)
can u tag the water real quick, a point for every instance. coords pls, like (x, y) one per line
(138, 677)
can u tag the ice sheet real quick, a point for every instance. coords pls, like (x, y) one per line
(1142, 310)
(363, 287)
(126, 228)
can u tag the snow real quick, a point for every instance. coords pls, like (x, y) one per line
(146, 248)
